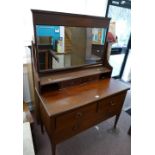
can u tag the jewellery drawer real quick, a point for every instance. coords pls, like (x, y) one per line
(78, 81)
(70, 118)
(70, 82)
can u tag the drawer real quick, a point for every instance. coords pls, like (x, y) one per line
(78, 81)
(70, 83)
(89, 78)
(69, 119)
(103, 108)
(73, 129)
(111, 106)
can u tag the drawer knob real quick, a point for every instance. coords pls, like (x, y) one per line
(78, 115)
(75, 127)
(112, 103)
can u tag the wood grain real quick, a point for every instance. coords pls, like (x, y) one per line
(58, 77)
(60, 101)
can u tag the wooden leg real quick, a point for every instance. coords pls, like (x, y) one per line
(129, 131)
(116, 120)
(40, 120)
(42, 126)
(53, 148)
(37, 111)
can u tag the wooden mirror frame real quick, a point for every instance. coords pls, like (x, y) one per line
(41, 17)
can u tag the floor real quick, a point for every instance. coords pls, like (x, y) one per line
(98, 140)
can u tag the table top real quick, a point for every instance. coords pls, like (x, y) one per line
(56, 102)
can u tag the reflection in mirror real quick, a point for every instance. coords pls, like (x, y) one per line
(63, 47)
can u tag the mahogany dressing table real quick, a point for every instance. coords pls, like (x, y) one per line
(75, 96)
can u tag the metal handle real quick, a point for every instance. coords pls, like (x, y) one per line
(75, 127)
(112, 103)
(78, 115)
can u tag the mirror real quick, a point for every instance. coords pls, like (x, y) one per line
(64, 47)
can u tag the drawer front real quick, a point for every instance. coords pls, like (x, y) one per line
(78, 81)
(69, 119)
(111, 106)
(103, 108)
(70, 83)
(73, 129)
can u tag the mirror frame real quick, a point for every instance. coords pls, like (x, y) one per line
(41, 17)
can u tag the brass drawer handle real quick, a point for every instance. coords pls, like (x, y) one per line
(79, 114)
(112, 103)
(75, 127)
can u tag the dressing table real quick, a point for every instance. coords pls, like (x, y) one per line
(77, 92)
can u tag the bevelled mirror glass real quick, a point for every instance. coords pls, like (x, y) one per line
(64, 47)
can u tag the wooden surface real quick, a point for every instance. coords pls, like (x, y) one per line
(60, 101)
(42, 17)
(68, 111)
(58, 77)
(66, 19)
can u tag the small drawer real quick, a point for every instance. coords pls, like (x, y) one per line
(116, 104)
(93, 78)
(71, 118)
(89, 78)
(71, 83)
(102, 109)
(111, 106)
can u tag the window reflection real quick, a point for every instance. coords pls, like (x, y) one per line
(122, 18)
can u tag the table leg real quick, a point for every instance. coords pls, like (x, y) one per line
(129, 131)
(53, 148)
(42, 126)
(116, 120)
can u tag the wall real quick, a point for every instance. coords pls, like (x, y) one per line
(52, 31)
(26, 89)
